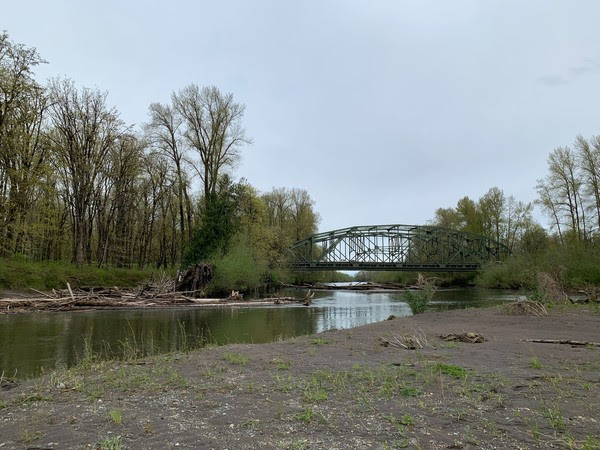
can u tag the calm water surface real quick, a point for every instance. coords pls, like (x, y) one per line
(30, 342)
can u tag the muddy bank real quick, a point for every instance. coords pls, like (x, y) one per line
(338, 389)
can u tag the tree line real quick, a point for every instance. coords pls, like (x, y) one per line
(78, 184)
(569, 195)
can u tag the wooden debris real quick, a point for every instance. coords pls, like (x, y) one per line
(409, 342)
(153, 294)
(309, 298)
(473, 338)
(235, 296)
(564, 341)
(526, 308)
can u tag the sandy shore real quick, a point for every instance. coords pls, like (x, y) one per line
(338, 389)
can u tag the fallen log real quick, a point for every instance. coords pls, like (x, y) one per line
(564, 342)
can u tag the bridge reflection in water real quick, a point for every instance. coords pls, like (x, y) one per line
(348, 309)
(396, 247)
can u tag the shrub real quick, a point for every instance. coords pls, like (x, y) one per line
(418, 300)
(237, 269)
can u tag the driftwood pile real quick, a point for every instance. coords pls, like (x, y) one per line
(156, 293)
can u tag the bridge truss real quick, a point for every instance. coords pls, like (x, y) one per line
(396, 247)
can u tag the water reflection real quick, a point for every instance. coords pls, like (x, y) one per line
(29, 342)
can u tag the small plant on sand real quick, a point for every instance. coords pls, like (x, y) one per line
(591, 443)
(282, 364)
(451, 370)
(410, 391)
(407, 420)
(284, 383)
(110, 443)
(234, 358)
(301, 444)
(28, 436)
(535, 363)
(319, 341)
(419, 299)
(251, 423)
(308, 415)
(555, 418)
(314, 392)
(116, 415)
(535, 431)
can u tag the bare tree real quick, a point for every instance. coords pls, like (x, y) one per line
(304, 218)
(548, 201)
(84, 130)
(22, 155)
(163, 133)
(213, 128)
(588, 159)
(492, 207)
(516, 221)
(566, 185)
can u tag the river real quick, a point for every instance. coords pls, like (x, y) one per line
(34, 342)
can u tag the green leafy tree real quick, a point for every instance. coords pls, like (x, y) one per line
(219, 223)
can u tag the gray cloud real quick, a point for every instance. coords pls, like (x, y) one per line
(589, 66)
(553, 80)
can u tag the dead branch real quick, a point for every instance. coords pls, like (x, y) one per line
(526, 308)
(408, 342)
(564, 341)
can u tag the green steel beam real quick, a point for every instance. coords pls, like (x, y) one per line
(395, 247)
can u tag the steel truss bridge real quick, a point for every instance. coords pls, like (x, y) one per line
(396, 247)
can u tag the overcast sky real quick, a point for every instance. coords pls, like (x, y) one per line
(382, 110)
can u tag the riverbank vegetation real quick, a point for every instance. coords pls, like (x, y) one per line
(22, 274)
(568, 252)
(80, 187)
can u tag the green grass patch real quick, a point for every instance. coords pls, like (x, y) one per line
(309, 415)
(282, 364)
(319, 341)
(110, 443)
(17, 273)
(235, 358)
(410, 391)
(535, 363)
(451, 370)
(132, 378)
(116, 415)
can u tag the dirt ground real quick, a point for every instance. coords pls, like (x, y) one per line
(339, 389)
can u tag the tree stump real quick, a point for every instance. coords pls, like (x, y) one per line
(194, 278)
